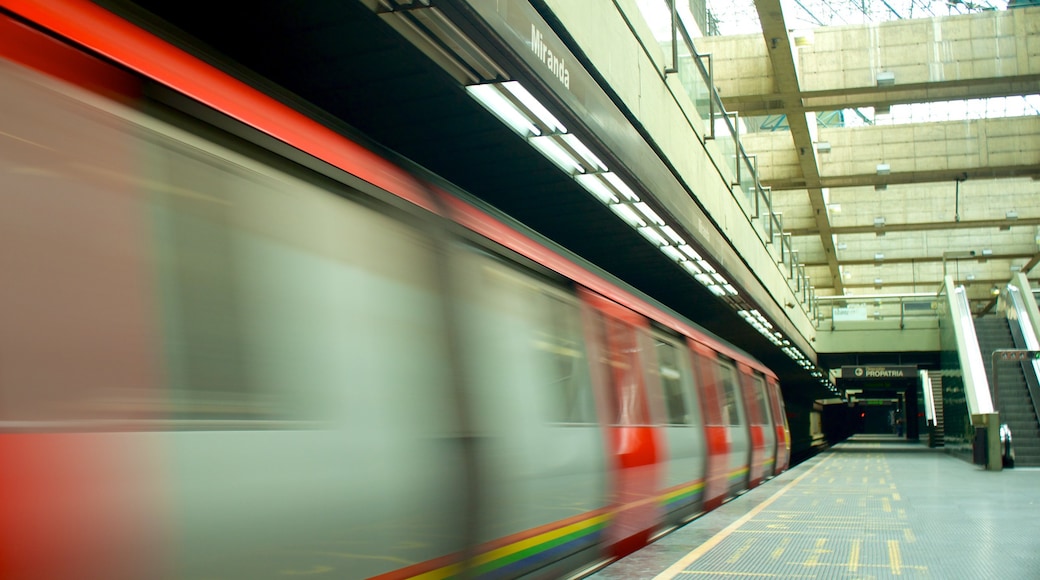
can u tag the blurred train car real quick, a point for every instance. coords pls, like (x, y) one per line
(237, 344)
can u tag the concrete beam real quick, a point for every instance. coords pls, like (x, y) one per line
(913, 152)
(803, 127)
(978, 55)
(923, 227)
(925, 259)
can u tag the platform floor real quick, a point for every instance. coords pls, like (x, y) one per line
(871, 507)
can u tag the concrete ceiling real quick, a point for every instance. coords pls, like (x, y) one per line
(874, 206)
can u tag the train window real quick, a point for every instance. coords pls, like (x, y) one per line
(707, 389)
(523, 332)
(621, 369)
(730, 405)
(671, 372)
(779, 414)
(761, 400)
(560, 346)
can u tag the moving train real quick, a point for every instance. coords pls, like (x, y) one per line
(235, 343)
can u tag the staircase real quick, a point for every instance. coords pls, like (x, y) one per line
(1014, 404)
(937, 438)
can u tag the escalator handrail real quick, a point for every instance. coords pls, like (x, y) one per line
(976, 385)
(1024, 338)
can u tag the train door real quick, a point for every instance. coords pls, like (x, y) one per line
(682, 428)
(734, 417)
(763, 439)
(543, 464)
(783, 434)
(715, 432)
(635, 446)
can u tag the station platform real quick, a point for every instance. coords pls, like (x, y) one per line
(870, 507)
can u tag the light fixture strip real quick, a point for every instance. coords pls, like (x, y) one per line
(534, 106)
(594, 185)
(692, 268)
(492, 99)
(595, 164)
(652, 235)
(557, 154)
(621, 186)
(689, 251)
(673, 235)
(673, 253)
(626, 213)
(650, 215)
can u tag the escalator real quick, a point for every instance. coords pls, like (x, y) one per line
(1015, 387)
(991, 401)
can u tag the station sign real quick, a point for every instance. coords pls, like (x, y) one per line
(878, 372)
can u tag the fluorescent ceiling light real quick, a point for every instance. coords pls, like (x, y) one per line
(558, 155)
(673, 253)
(719, 278)
(649, 214)
(585, 153)
(717, 290)
(729, 288)
(596, 187)
(689, 251)
(673, 235)
(532, 104)
(489, 96)
(619, 185)
(706, 266)
(704, 279)
(692, 268)
(626, 213)
(654, 237)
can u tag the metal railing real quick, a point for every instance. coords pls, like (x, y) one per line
(736, 167)
(855, 309)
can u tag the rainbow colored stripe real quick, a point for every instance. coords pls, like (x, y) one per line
(521, 555)
(682, 496)
(737, 476)
(534, 549)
